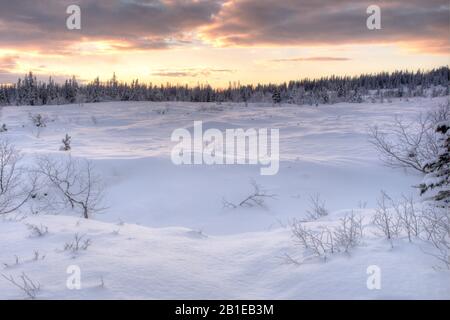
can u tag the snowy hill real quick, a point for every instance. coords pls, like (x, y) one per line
(165, 232)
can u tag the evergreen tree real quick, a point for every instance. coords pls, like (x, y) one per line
(4, 100)
(437, 180)
(28, 91)
(276, 97)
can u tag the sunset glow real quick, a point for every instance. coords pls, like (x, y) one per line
(217, 42)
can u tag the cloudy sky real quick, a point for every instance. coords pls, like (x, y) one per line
(218, 41)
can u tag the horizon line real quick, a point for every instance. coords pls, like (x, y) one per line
(232, 84)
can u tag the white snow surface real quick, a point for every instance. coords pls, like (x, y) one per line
(165, 232)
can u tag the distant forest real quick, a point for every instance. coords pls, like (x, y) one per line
(29, 91)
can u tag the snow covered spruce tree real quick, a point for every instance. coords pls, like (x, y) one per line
(276, 97)
(30, 91)
(437, 179)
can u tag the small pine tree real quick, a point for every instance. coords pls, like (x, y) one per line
(66, 143)
(276, 97)
(3, 97)
(38, 120)
(438, 170)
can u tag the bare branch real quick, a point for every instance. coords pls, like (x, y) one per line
(255, 199)
(16, 186)
(410, 145)
(24, 283)
(317, 209)
(75, 183)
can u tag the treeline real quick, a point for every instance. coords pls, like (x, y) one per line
(30, 91)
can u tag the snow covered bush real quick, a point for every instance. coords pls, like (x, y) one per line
(436, 185)
(73, 182)
(410, 145)
(322, 242)
(401, 218)
(437, 181)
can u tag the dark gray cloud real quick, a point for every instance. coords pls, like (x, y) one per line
(161, 24)
(320, 22)
(140, 24)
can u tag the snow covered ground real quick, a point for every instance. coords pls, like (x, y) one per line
(165, 232)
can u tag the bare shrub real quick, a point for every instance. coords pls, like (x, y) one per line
(37, 230)
(74, 182)
(402, 218)
(17, 217)
(16, 186)
(442, 113)
(162, 111)
(362, 204)
(256, 198)
(288, 259)
(77, 244)
(38, 120)
(25, 284)
(102, 283)
(210, 108)
(38, 256)
(385, 220)
(410, 145)
(408, 217)
(316, 243)
(401, 146)
(435, 224)
(15, 263)
(300, 233)
(317, 208)
(94, 120)
(349, 232)
(325, 241)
